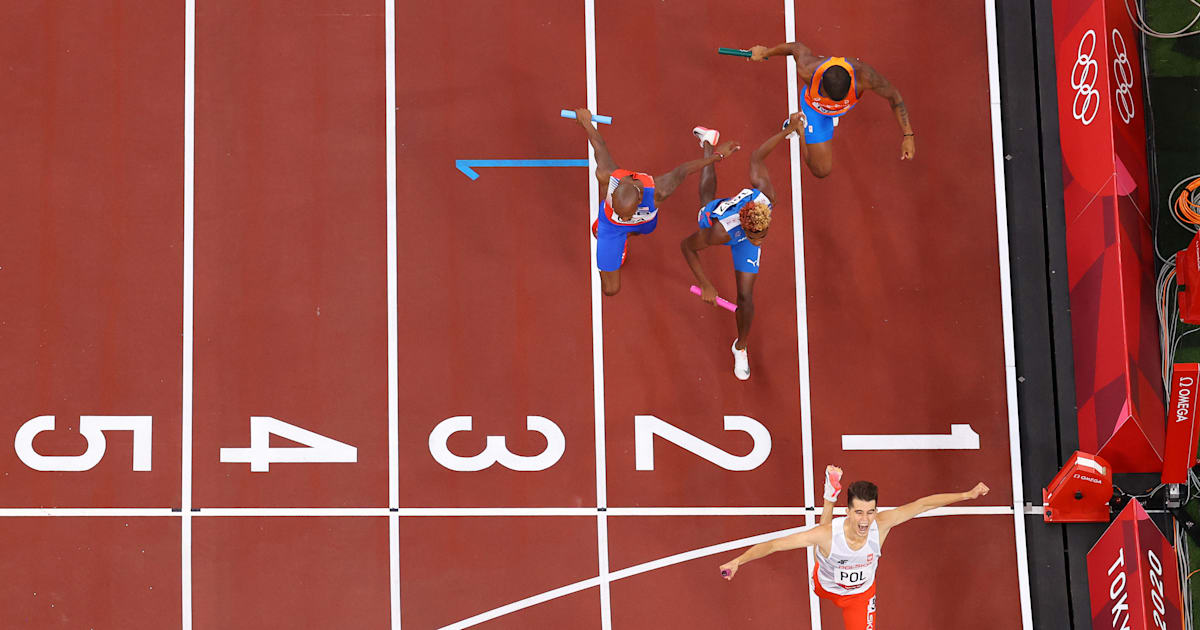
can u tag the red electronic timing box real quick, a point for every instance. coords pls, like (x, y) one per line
(1181, 423)
(1080, 492)
(1187, 275)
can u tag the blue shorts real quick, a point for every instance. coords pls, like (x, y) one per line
(820, 126)
(746, 255)
(610, 241)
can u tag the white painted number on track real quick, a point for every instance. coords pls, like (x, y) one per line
(495, 450)
(92, 428)
(317, 448)
(961, 437)
(646, 427)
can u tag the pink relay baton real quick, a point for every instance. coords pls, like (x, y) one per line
(723, 303)
(724, 572)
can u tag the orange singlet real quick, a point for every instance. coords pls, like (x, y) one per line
(824, 104)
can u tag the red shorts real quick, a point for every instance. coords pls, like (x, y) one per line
(858, 610)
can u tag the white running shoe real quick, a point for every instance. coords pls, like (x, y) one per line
(705, 134)
(741, 363)
(803, 123)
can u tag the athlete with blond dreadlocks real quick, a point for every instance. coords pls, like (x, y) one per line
(741, 222)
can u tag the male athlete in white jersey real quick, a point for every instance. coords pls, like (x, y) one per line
(848, 548)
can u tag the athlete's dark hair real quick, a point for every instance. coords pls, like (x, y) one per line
(835, 82)
(863, 491)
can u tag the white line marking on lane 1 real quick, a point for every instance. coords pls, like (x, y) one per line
(961, 437)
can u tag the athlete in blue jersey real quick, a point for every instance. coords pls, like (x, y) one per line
(629, 205)
(740, 222)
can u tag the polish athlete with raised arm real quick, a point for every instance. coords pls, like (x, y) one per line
(630, 202)
(849, 547)
(740, 222)
(832, 87)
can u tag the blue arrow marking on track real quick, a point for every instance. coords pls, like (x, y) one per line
(467, 166)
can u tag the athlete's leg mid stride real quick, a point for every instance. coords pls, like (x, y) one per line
(849, 548)
(740, 222)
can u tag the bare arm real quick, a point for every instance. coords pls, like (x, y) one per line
(807, 538)
(795, 49)
(604, 161)
(666, 184)
(759, 177)
(826, 512)
(892, 518)
(874, 81)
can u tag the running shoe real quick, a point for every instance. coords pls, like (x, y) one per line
(705, 134)
(741, 363)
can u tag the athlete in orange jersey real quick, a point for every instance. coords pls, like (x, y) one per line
(848, 548)
(831, 86)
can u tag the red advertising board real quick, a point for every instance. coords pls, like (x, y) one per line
(1110, 259)
(1133, 577)
(1181, 423)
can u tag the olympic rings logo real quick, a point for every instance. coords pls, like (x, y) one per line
(1123, 75)
(1083, 80)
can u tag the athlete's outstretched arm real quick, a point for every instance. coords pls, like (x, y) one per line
(759, 177)
(832, 488)
(872, 80)
(892, 518)
(701, 239)
(795, 49)
(666, 184)
(604, 161)
(806, 538)
(826, 512)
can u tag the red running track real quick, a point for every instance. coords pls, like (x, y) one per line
(494, 320)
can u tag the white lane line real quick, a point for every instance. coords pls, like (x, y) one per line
(618, 575)
(392, 271)
(789, 18)
(89, 512)
(589, 19)
(524, 603)
(1010, 371)
(308, 511)
(794, 511)
(394, 566)
(393, 375)
(618, 512)
(189, 251)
